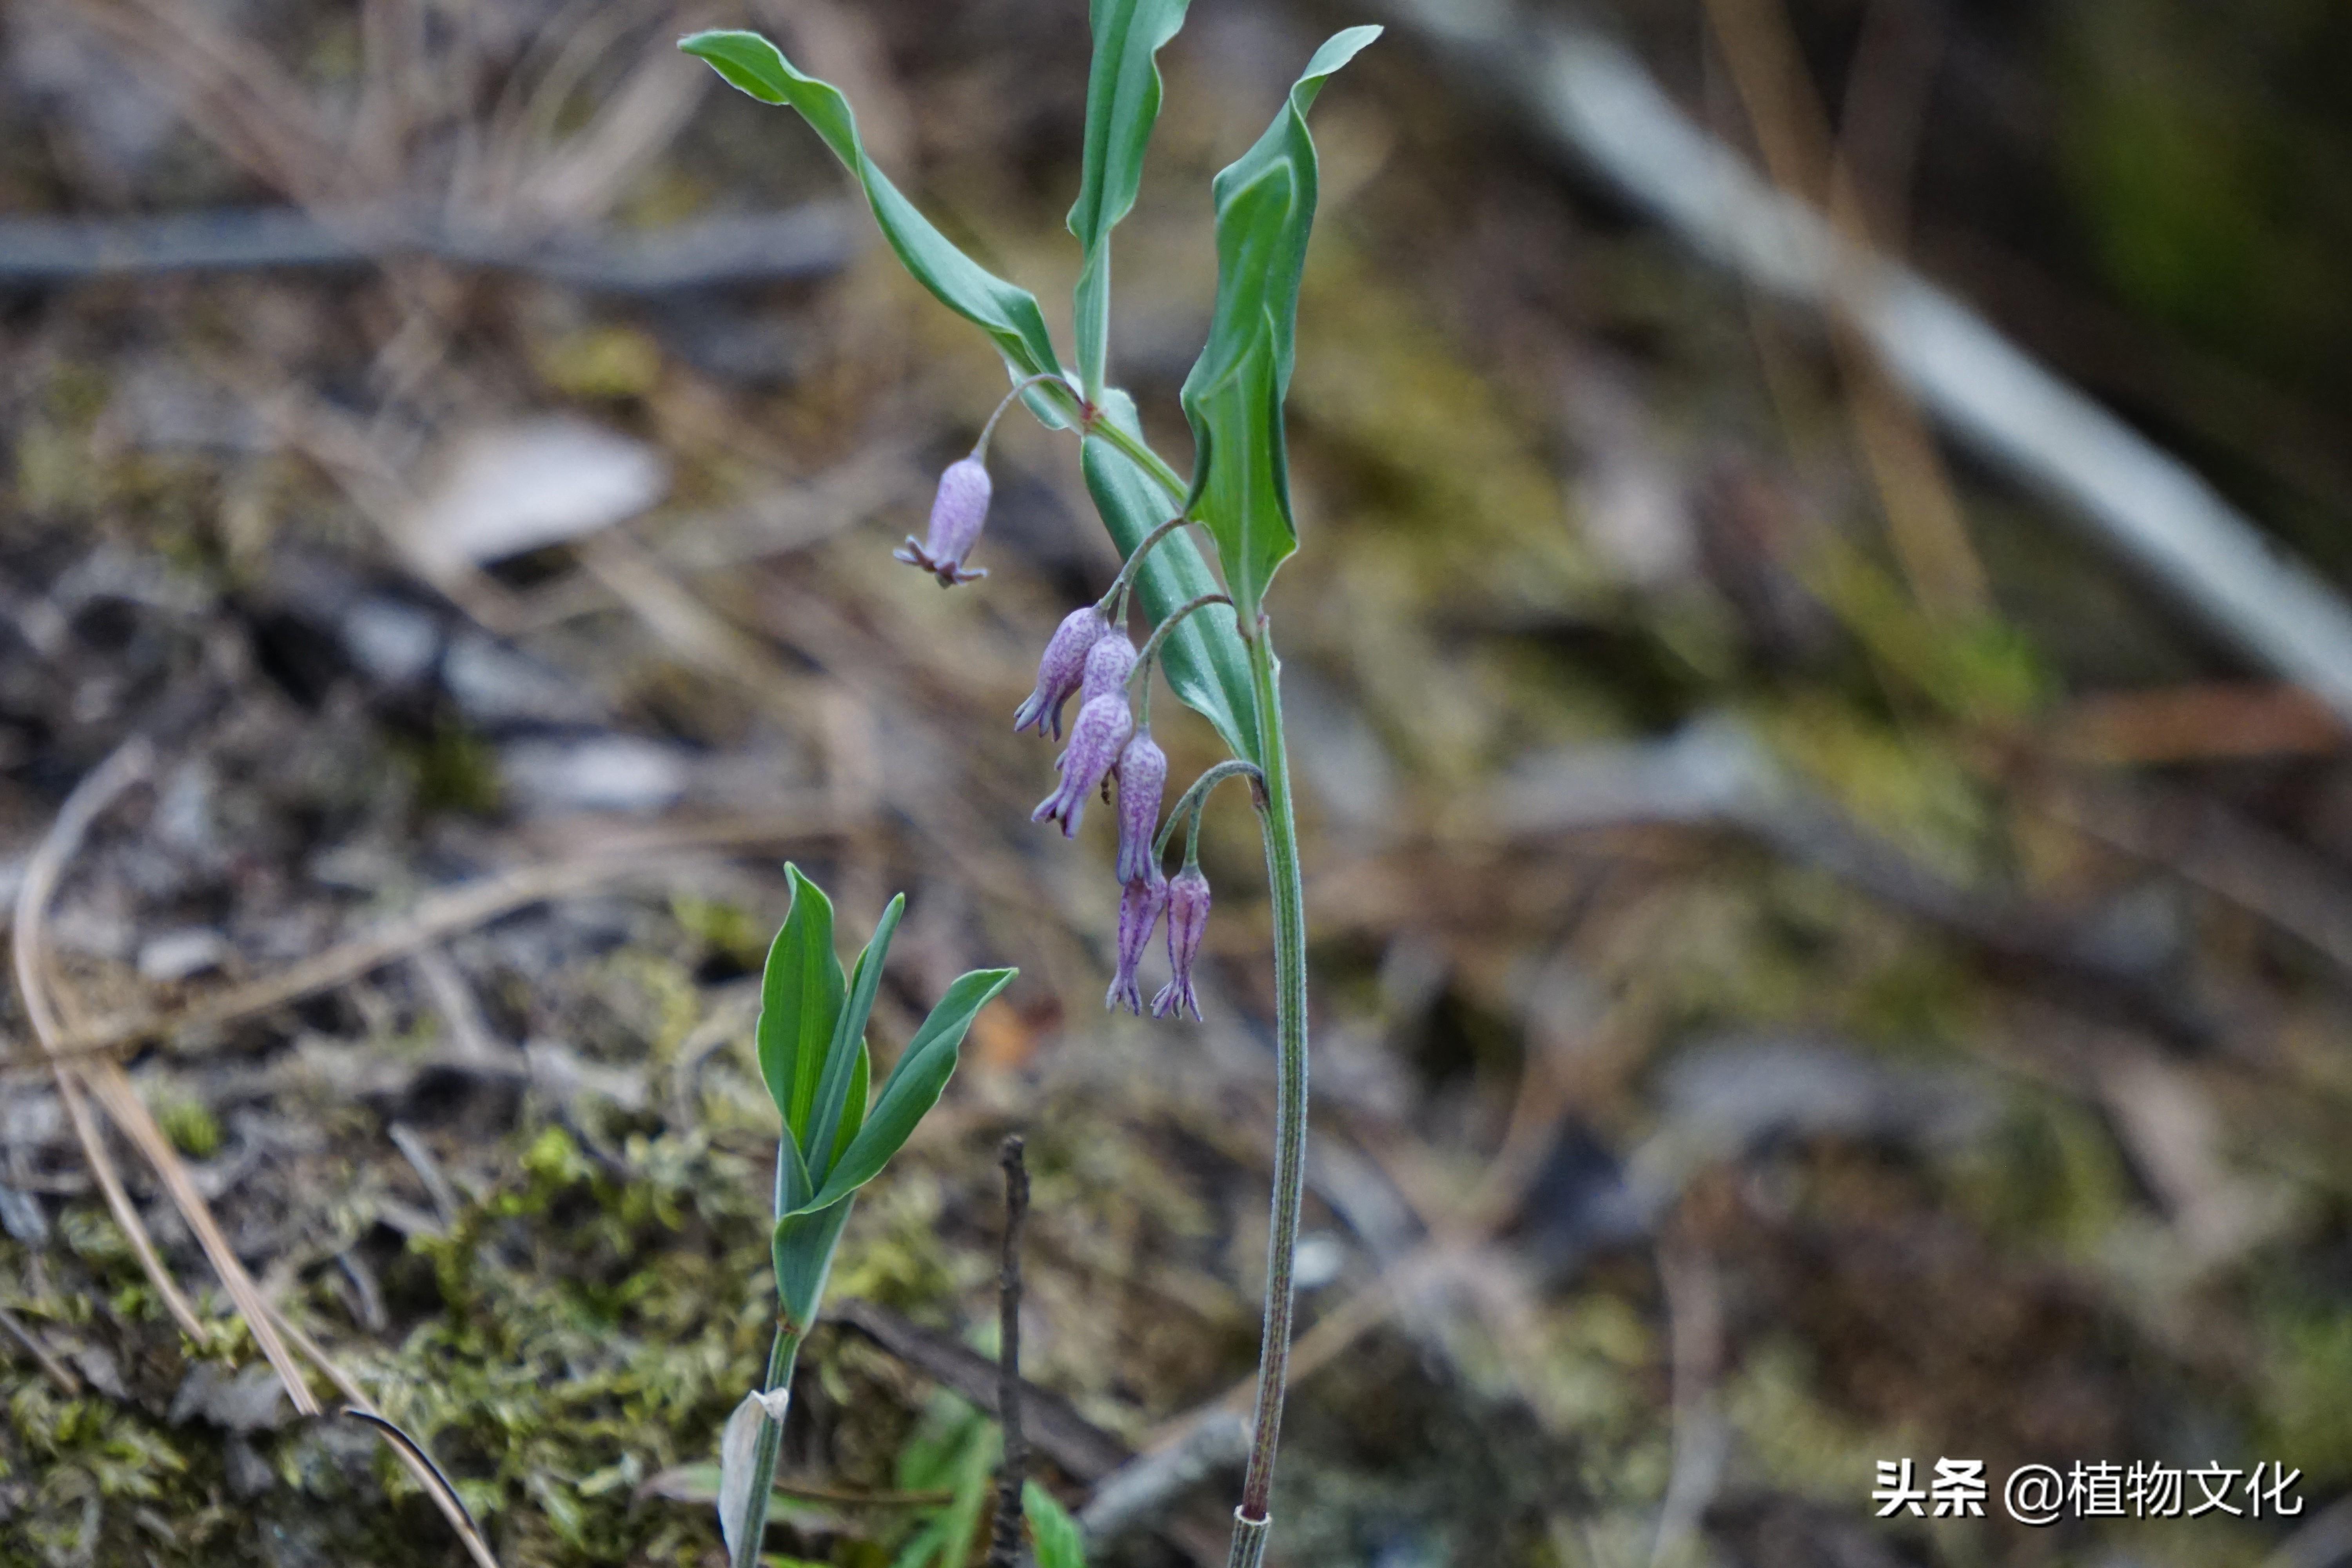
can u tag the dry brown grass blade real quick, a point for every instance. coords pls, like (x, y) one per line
(1923, 513)
(444, 1491)
(412, 1453)
(112, 1087)
(56, 1369)
(28, 950)
(444, 915)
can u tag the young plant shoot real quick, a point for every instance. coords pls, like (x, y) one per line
(1212, 637)
(836, 1137)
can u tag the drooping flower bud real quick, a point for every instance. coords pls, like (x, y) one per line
(1062, 668)
(1139, 904)
(1109, 664)
(1188, 916)
(1142, 772)
(958, 514)
(1102, 728)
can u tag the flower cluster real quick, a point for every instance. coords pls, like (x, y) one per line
(1091, 658)
(1108, 746)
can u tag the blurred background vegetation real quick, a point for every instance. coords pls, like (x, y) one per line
(1817, 959)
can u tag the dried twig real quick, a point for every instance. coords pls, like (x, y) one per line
(56, 1369)
(1004, 1548)
(439, 917)
(810, 241)
(1061, 1434)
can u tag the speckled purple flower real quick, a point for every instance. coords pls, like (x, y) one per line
(1109, 664)
(1142, 771)
(1188, 916)
(1062, 668)
(1139, 903)
(958, 514)
(1102, 728)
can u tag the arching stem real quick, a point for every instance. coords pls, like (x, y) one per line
(980, 447)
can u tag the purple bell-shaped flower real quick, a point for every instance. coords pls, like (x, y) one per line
(1109, 664)
(1139, 903)
(1062, 668)
(1142, 771)
(1096, 738)
(958, 514)
(1188, 916)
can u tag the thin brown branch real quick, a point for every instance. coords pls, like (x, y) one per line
(1005, 1549)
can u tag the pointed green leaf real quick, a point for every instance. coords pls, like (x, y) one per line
(1266, 209)
(914, 1085)
(1201, 657)
(1059, 1544)
(803, 1251)
(848, 1042)
(852, 1115)
(1008, 314)
(794, 1187)
(800, 1000)
(1122, 101)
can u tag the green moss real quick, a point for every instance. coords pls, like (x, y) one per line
(192, 1128)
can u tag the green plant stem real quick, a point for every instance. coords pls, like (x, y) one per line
(1251, 1519)
(1189, 803)
(1290, 1103)
(781, 1356)
(1142, 457)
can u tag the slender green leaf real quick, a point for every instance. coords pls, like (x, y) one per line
(800, 999)
(852, 1115)
(848, 1042)
(1122, 101)
(913, 1087)
(1007, 314)
(1201, 657)
(1058, 1541)
(794, 1187)
(803, 1250)
(1266, 209)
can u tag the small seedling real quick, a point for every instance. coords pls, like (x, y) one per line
(812, 1056)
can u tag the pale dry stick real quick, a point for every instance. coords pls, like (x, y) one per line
(437, 918)
(27, 946)
(1702, 1440)
(349, 454)
(56, 1369)
(412, 1454)
(107, 1082)
(687, 626)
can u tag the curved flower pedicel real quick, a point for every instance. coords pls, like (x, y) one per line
(957, 513)
(1139, 903)
(1188, 916)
